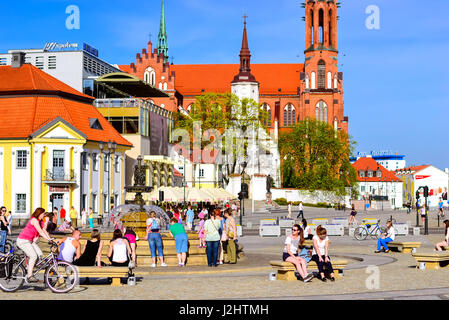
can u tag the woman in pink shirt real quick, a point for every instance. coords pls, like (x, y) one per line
(27, 240)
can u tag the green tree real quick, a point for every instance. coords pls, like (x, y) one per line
(230, 118)
(316, 157)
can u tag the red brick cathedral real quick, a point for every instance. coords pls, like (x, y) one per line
(289, 92)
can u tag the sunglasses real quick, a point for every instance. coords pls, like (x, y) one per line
(295, 229)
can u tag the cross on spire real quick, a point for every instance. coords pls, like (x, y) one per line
(244, 17)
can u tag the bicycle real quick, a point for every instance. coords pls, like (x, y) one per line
(362, 232)
(59, 276)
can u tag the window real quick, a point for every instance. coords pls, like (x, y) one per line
(21, 159)
(321, 111)
(321, 74)
(267, 109)
(289, 115)
(117, 163)
(88, 87)
(379, 173)
(165, 85)
(105, 203)
(362, 173)
(153, 78)
(131, 125)
(313, 76)
(94, 162)
(329, 80)
(307, 81)
(85, 161)
(3, 61)
(362, 188)
(106, 163)
(201, 173)
(370, 174)
(95, 124)
(94, 203)
(21, 202)
(39, 62)
(52, 62)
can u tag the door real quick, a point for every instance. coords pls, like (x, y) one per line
(58, 200)
(58, 165)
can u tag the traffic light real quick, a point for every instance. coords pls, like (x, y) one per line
(240, 196)
(161, 196)
(417, 195)
(244, 188)
(51, 198)
(426, 192)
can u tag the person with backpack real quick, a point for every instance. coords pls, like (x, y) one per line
(153, 235)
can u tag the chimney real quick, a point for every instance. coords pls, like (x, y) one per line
(17, 59)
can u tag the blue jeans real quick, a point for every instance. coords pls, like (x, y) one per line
(3, 236)
(383, 242)
(212, 252)
(155, 241)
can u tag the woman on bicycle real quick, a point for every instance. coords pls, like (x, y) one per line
(27, 241)
(387, 237)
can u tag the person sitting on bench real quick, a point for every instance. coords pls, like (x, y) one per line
(387, 237)
(440, 246)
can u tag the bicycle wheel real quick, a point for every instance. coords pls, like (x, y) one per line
(61, 277)
(360, 233)
(15, 280)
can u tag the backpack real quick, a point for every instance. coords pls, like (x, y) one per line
(154, 224)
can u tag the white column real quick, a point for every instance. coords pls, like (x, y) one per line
(37, 181)
(77, 169)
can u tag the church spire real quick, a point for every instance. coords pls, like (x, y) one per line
(245, 59)
(162, 38)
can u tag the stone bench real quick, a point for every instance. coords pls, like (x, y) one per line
(116, 273)
(433, 260)
(286, 270)
(404, 247)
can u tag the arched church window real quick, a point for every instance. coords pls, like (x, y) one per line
(165, 85)
(289, 115)
(313, 80)
(321, 111)
(329, 80)
(321, 74)
(321, 25)
(307, 81)
(267, 109)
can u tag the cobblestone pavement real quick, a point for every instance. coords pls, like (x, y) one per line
(249, 279)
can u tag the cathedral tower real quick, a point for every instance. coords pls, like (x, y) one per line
(162, 46)
(245, 84)
(322, 83)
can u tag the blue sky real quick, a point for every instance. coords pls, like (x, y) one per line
(396, 79)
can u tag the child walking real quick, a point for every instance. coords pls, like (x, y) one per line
(201, 234)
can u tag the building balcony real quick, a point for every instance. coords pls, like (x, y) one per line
(52, 177)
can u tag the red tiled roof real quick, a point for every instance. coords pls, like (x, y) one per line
(366, 164)
(24, 113)
(191, 79)
(125, 68)
(415, 168)
(29, 78)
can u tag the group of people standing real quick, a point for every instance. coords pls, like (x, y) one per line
(217, 232)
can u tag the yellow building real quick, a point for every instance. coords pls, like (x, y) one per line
(55, 147)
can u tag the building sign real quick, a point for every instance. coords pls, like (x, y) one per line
(90, 50)
(419, 177)
(54, 46)
(59, 189)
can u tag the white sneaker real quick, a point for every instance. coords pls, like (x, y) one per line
(163, 264)
(153, 265)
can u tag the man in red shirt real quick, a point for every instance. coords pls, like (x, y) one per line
(61, 215)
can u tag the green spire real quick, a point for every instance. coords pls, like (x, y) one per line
(162, 46)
